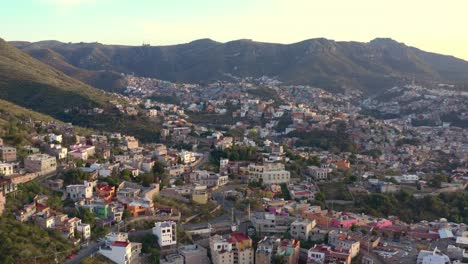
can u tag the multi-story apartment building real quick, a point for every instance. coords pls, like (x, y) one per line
(234, 249)
(268, 173)
(7, 154)
(269, 249)
(118, 249)
(194, 254)
(6, 169)
(165, 232)
(343, 241)
(80, 191)
(301, 229)
(42, 163)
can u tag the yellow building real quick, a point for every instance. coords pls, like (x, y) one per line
(200, 195)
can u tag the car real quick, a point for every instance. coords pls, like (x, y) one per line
(72, 256)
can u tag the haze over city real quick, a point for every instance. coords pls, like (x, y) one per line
(437, 26)
(233, 132)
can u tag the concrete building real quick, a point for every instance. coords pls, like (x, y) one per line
(234, 249)
(318, 173)
(2, 203)
(221, 250)
(301, 229)
(7, 154)
(84, 230)
(42, 163)
(130, 142)
(82, 152)
(55, 138)
(172, 259)
(269, 223)
(269, 249)
(121, 252)
(325, 254)
(80, 191)
(187, 157)
(431, 257)
(6, 169)
(194, 254)
(58, 151)
(166, 233)
(200, 195)
(268, 173)
(343, 241)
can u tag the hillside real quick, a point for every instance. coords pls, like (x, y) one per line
(369, 67)
(29, 83)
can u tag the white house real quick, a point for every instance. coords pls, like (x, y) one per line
(80, 191)
(166, 233)
(84, 230)
(118, 249)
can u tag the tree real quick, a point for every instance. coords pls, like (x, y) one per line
(76, 176)
(179, 182)
(126, 214)
(126, 175)
(159, 167)
(87, 216)
(437, 180)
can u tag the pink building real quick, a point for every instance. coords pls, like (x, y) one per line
(381, 223)
(343, 222)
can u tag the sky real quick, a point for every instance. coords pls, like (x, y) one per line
(432, 25)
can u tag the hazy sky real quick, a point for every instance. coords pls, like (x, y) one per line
(433, 25)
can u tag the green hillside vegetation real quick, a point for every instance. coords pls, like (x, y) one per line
(102, 79)
(29, 243)
(31, 84)
(410, 209)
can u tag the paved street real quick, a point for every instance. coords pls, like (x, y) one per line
(92, 248)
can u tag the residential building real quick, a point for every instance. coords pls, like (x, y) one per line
(7, 154)
(84, 230)
(325, 254)
(318, 173)
(82, 152)
(119, 250)
(186, 157)
(172, 259)
(432, 256)
(80, 191)
(265, 250)
(301, 229)
(268, 173)
(194, 254)
(200, 195)
(130, 142)
(234, 249)
(58, 151)
(54, 138)
(288, 250)
(269, 249)
(166, 233)
(2, 203)
(270, 223)
(105, 191)
(6, 169)
(344, 242)
(41, 163)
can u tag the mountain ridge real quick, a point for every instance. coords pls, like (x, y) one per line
(369, 67)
